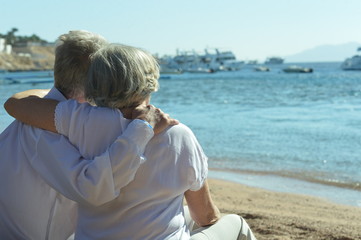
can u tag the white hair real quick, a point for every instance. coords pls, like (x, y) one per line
(72, 60)
(121, 76)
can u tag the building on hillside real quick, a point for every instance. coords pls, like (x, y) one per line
(5, 48)
(34, 44)
(8, 49)
(2, 44)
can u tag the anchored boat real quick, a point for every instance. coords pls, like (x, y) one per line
(297, 69)
(353, 63)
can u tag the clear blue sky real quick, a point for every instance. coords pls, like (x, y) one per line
(253, 29)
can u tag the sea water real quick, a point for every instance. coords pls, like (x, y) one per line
(279, 131)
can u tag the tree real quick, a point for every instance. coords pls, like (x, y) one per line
(10, 37)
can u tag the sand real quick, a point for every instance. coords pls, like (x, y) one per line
(274, 215)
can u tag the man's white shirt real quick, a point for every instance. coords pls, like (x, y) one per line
(29, 165)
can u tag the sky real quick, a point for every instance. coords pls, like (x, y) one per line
(252, 29)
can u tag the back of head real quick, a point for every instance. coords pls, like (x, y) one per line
(72, 59)
(121, 76)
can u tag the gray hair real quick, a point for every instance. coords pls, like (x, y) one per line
(121, 76)
(72, 60)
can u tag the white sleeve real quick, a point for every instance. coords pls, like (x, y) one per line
(199, 165)
(86, 125)
(89, 128)
(194, 162)
(95, 181)
(82, 123)
(92, 180)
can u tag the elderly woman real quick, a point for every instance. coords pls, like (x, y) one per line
(151, 205)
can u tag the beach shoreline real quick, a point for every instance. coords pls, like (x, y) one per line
(281, 215)
(278, 183)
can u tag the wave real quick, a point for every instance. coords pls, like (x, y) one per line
(297, 176)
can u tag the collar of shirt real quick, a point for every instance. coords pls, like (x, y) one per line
(55, 94)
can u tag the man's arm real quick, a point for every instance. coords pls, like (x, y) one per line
(201, 207)
(87, 181)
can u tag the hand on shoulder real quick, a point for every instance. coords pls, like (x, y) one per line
(154, 116)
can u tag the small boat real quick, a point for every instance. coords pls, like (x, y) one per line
(199, 70)
(353, 63)
(167, 70)
(252, 62)
(261, 69)
(297, 69)
(274, 60)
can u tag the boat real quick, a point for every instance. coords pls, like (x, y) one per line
(209, 62)
(199, 70)
(252, 62)
(166, 70)
(353, 63)
(274, 60)
(222, 61)
(297, 69)
(262, 69)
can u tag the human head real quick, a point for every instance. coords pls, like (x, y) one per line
(121, 76)
(72, 59)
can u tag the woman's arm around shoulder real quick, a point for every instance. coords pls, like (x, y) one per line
(30, 108)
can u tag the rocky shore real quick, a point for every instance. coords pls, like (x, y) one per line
(32, 58)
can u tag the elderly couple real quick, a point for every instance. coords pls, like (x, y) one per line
(109, 166)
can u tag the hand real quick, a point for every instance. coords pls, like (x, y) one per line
(154, 116)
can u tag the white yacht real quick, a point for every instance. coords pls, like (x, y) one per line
(274, 60)
(222, 61)
(353, 63)
(209, 62)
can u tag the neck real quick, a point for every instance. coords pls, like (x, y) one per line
(127, 112)
(78, 97)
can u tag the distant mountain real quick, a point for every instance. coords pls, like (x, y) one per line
(325, 53)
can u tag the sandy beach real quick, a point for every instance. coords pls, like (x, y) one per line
(274, 215)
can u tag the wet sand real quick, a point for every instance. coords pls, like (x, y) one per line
(275, 215)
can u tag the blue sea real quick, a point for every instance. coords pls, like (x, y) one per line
(287, 132)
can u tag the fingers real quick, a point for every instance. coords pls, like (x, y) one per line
(173, 122)
(140, 111)
(158, 111)
(151, 107)
(170, 121)
(154, 116)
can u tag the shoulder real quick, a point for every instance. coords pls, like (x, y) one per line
(71, 116)
(73, 105)
(180, 138)
(86, 111)
(190, 157)
(178, 132)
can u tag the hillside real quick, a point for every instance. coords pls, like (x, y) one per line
(28, 58)
(325, 53)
